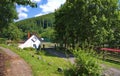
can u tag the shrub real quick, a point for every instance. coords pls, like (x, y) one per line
(86, 64)
(2, 40)
(29, 49)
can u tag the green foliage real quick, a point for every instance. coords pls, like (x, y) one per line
(36, 25)
(7, 14)
(29, 49)
(12, 32)
(86, 64)
(115, 43)
(48, 33)
(8, 11)
(42, 26)
(92, 21)
(2, 40)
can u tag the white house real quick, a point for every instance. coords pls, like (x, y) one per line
(33, 41)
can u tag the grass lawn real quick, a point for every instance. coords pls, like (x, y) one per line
(46, 65)
(112, 64)
(111, 60)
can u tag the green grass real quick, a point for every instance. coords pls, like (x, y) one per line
(111, 63)
(46, 66)
(111, 60)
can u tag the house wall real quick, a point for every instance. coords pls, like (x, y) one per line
(33, 40)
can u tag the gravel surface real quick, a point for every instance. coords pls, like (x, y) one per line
(110, 71)
(3, 59)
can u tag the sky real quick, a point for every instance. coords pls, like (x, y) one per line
(43, 7)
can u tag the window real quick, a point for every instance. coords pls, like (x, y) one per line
(34, 39)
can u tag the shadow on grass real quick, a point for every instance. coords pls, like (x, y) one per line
(69, 72)
(44, 52)
(49, 54)
(54, 53)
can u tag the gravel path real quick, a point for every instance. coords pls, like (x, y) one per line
(3, 59)
(110, 71)
(18, 67)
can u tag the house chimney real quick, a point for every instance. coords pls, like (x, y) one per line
(28, 35)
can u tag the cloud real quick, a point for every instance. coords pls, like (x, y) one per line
(22, 15)
(37, 1)
(51, 5)
(22, 12)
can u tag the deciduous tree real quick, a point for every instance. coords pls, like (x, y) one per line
(8, 12)
(91, 21)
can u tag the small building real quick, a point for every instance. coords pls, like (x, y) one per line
(33, 42)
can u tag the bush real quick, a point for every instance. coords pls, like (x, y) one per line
(29, 49)
(2, 40)
(86, 64)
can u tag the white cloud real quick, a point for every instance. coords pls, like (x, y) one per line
(51, 5)
(36, 1)
(22, 15)
(22, 12)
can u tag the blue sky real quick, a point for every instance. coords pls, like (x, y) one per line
(44, 7)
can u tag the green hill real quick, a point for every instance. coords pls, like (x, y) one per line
(36, 25)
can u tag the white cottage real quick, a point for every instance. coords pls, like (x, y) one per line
(33, 41)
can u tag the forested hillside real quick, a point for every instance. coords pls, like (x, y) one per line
(41, 25)
(41, 21)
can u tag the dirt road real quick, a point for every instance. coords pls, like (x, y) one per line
(17, 66)
(3, 59)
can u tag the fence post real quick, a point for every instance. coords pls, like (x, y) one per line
(43, 46)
